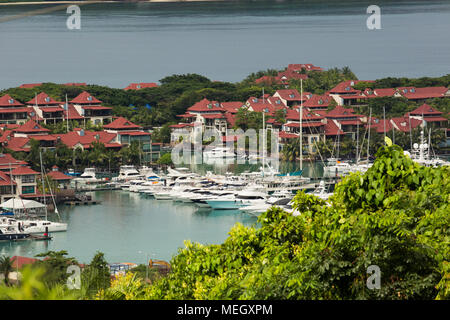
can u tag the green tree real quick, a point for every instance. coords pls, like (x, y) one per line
(5, 268)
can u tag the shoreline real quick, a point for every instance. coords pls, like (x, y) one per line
(91, 2)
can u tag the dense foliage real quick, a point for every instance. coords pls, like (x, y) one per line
(394, 216)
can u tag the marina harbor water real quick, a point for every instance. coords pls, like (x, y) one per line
(129, 220)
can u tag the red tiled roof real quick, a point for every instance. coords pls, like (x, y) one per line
(30, 85)
(73, 138)
(6, 160)
(307, 115)
(52, 109)
(18, 262)
(403, 123)
(43, 99)
(46, 137)
(379, 93)
(142, 85)
(22, 170)
(346, 87)
(121, 123)
(75, 84)
(232, 106)
(72, 113)
(291, 95)
(331, 129)
(285, 76)
(269, 80)
(231, 118)
(341, 112)
(426, 109)
(85, 98)
(16, 144)
(14, 110)
(135, 133)
(31, 126)
(5, 179)
(318, 101)
(305, 66)
(422, 93)
(57, 175)
(8, 101)
(205, 106)
(287, 135)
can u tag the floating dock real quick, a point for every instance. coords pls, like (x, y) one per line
(81, 202)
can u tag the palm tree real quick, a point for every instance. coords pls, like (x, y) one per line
(5, 267)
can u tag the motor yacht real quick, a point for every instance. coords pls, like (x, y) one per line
(127, 173)
(219, 153)
(240, 199)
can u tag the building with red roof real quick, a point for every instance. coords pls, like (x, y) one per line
(85, 98)
(80, 138)
(31, 127)
(30, 85)
(43, 100)
(430, 115)
(205, 106)
(121, 124)
(318, 102)
(291, 97)
(421, 94)
(405, 124)
(8, 162)
(26, 180)
(303, 66)
(139, 86)
(60, 178)
(232, 106)
(91, 109)
(6, 101)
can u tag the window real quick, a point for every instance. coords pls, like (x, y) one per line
(27, 189)
(11, 101)
(89, 98)
(47, 99)
(28, 179)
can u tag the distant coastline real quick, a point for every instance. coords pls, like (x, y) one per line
(85, 2)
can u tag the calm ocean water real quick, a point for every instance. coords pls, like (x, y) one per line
(127, 226)
(123, 43)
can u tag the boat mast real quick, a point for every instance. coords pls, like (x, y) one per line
(357, 141)
(67, 111)
(300, 127)
(263, 137)
(368, 135)
(384, 123)
(43, 185)
(12, 188)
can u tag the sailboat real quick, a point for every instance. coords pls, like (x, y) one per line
(43, 226)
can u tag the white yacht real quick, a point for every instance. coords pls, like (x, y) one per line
(219, 153)
(88, 176)
(240, 199)
(34, 226)
(321, 191)
(127, 173)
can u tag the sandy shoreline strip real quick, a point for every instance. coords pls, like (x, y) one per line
(100, 1)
